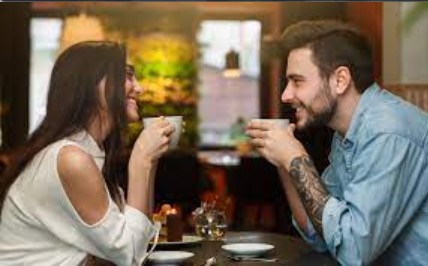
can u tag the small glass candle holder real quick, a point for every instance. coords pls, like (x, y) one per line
(210, 222)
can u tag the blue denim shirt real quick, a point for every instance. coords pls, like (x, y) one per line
(378, 180)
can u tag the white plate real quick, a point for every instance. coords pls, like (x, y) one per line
(248, 249)
(169, 257)
(187, 240)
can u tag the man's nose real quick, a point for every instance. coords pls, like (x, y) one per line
(287, 94)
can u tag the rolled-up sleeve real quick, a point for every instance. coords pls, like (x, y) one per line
(335, 220)
(385, 178)
(311, 236)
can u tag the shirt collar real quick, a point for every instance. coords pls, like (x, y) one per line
(364, 103)
(85, 139)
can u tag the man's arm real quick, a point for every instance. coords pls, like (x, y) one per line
(281, 148)
(294, 201)
(385, 183)
(300, 218)
(376, 191)
(312, 193)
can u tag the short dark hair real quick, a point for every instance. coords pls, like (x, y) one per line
(333, 44)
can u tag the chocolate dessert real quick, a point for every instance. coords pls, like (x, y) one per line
(174, 227)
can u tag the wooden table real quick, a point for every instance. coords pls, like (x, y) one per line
(288, 250)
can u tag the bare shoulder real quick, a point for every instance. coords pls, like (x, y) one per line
(72, 157)
(83, 183)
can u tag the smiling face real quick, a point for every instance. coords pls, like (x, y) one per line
(307, 92)
(132, 91)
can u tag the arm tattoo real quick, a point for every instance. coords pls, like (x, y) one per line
(312, 193)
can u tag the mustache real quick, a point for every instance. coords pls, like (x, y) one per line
(297, 105)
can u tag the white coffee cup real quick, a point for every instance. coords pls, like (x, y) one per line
(278, 122)
(176, 120)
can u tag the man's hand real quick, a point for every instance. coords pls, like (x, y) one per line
(278, 145)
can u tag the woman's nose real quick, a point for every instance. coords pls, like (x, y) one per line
(137, 87)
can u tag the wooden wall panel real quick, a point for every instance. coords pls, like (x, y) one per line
(368, 17)
(14, 72)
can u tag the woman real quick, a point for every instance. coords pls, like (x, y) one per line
(60, 197)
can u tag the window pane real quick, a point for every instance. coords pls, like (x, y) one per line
(222, 100)
(45, 41)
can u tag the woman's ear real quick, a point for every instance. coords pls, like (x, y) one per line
(341, 79)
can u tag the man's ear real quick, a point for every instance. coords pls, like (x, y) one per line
(341, 79)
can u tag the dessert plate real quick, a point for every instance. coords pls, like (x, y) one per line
(169, 257)
(248, 249)
(187, 240)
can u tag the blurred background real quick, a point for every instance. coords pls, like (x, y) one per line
(218, 65)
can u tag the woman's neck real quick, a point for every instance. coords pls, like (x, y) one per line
(98, 130)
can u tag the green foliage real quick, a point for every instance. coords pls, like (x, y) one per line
(180, 70)
(165, 66)
(414, 15)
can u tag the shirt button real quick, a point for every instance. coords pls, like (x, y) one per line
(347, 144)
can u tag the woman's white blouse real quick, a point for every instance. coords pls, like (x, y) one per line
(39, 225)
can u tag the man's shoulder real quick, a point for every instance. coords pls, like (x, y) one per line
(389, 114)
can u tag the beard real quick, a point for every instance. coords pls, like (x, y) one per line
(319, 116)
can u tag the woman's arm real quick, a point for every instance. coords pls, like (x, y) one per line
(92, 222)
(83, 183)
(150, 145)
(141, 180)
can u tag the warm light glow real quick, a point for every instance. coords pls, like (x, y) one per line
(232, 69)
(81, 28)
(171, 211)
(231, 73)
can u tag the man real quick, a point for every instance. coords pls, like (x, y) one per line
(370, 205)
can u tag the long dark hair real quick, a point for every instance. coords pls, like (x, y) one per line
(73, 102)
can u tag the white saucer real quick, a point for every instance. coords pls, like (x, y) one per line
(169, 257)
(248, 249)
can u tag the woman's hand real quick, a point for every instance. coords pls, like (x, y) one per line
(153, 141)
(150, 145)
(278, 145)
